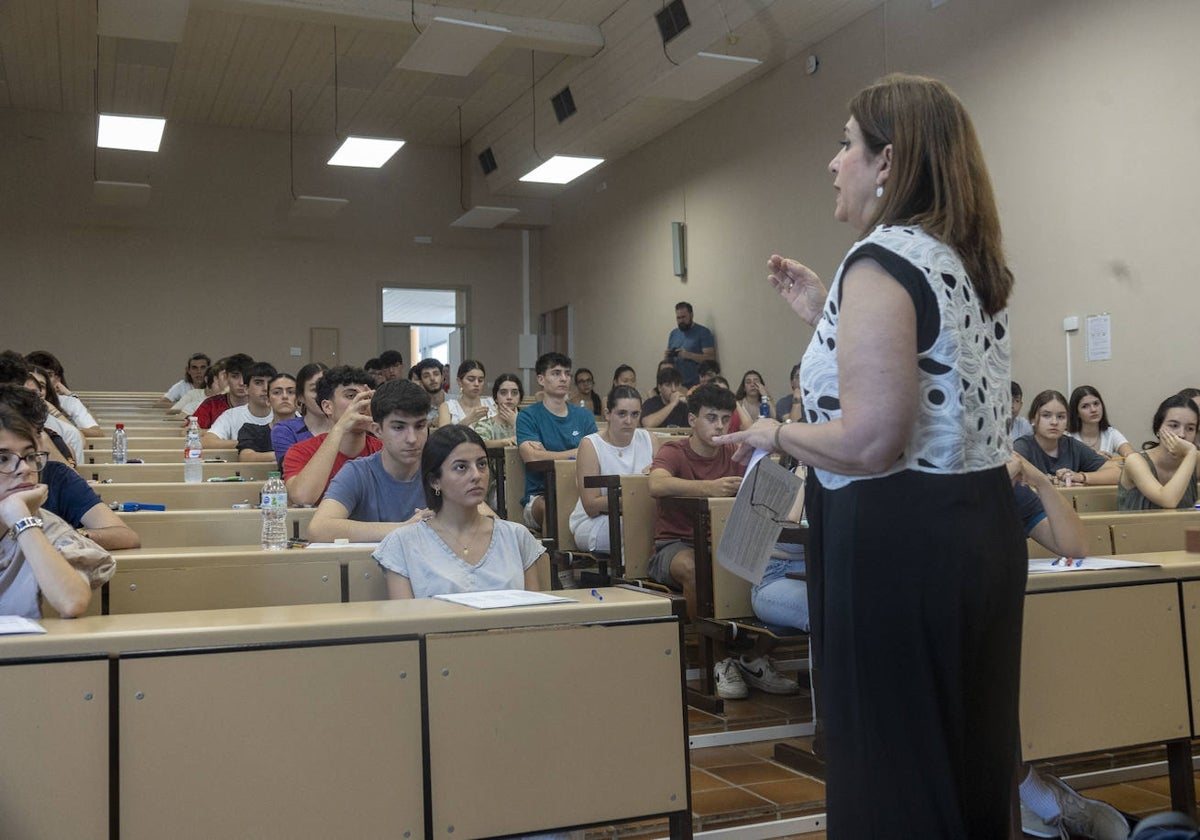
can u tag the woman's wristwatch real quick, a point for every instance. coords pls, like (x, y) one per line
(22, 525)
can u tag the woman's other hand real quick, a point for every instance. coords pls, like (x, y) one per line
(759, 436)
(799, 286)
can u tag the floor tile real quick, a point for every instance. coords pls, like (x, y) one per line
(709, 757)
(798, 790)
(750, 774)
(1128, 798)
(702, 780)
(728, 801)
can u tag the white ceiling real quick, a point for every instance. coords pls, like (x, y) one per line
(232, 63)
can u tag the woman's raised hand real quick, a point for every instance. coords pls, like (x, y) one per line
(799, 286)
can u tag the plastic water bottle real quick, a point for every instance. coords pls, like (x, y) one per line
(193, 455)
(120, 445)
(274, 513)
(764, 406)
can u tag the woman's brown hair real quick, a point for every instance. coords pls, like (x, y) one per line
(938, 178)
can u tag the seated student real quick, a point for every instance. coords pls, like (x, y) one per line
(429, 375)
(254, 439)
(549, 429)
(694, 466)
(1064, 459)
(1087, 422)
(391, 365)
(57, 426)
(223, 433)
(750, 395)
(374, 369)
(500, 429)
(345, 396)
(789, 408)
(1164, 474)
(310, 419)
(624, 375)
(1019, 426)
(68, 495)
(70, 404)
(193, 377)
(584, 393)
(469, 408)
(457, 549)
(1192, 394)
(373, 496)
(235, 374)
(215, 382)
(39, 553)
(621, 449)
(668, 407)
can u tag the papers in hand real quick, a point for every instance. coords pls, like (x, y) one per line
(1042, 565)
(763, 502)
(12, 625)
(503, 598)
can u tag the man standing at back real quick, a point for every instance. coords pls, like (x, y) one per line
(549, 430)
(689, 344)
(344, 394)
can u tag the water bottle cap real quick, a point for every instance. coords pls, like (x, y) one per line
(274, 474)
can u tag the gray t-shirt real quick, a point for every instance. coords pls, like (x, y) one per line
(419, 554)
(365, 489)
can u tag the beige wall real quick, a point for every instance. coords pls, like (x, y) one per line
(1087, 112)
(214, 263)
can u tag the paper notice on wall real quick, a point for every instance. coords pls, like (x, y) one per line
(1099, 338)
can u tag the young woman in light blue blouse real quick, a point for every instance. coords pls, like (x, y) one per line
(458, 549)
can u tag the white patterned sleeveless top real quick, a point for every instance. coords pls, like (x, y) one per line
(962, 359)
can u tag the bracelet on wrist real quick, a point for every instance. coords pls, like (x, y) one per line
(778, 445)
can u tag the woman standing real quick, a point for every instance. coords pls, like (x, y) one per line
(1063, 458)
(458, 549)
(469, 408)
(1088, 423)
(1164, 474)
(621, 449)
(917, 569)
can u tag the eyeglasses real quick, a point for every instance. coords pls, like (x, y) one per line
(10, 462)
(585, 381)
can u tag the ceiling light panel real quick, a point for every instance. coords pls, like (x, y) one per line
(365, 152)
(137, 134)
(561, 169)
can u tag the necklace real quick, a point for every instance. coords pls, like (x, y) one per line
(464, 548)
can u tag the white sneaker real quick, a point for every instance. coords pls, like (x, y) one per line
(1087, 817)
(1035, 826)
(762, 674)
(730, 685)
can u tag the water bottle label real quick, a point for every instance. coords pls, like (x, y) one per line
(193, 453)
(274, 501)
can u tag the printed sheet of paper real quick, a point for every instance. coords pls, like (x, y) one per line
(12, 625)
(760, 511)
(1099, 338)
(1042, 565)
(503, 598)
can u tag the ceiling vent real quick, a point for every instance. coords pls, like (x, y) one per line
(487, 161)
(672, 20)
(564, 104)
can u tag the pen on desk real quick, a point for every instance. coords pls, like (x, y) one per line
(597, 595)
(1057, 560)
(1079, 563)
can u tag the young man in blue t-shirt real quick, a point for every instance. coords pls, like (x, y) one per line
(549, 430)
(371, 497)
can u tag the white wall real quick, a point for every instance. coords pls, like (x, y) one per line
(1087, 113)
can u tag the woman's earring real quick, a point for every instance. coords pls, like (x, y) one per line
(437, 491)
(879, 191)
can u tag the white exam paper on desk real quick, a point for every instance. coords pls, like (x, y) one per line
(498, 598)
(1042, 565)
(12, 625)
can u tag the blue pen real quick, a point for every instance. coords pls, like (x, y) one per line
(1079, 562)
(597, 595)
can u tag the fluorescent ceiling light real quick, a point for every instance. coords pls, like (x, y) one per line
(138, 134)
(370, 152)
(562, 169)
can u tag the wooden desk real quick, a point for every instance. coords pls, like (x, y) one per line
(244, 734)
(167, 438)
(209, 528)
(122, 473)
(178, 495)
(164, 455)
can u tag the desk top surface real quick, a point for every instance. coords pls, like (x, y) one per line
(1173, 566)
(114, 634)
